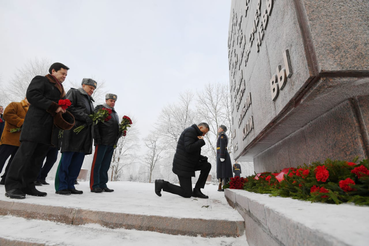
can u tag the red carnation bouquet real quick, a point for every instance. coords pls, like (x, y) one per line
(103, 114)
(123, 126)
(64, 103)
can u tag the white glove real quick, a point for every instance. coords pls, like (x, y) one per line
(222, 159)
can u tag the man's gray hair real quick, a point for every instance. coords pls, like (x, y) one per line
(204, 125)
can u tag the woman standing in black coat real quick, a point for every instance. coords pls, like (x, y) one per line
(224, 165)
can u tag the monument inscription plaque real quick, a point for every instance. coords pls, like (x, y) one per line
(299, 81)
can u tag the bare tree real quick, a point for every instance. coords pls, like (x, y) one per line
(17, 88)
(125, 153)
(153, 154)
(211, 108)
(175, 118)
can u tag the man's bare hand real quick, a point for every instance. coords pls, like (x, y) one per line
(60, 110)
(200, 137)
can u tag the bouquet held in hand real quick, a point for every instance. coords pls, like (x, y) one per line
(123, 126)
(64, 103)
(103, 114)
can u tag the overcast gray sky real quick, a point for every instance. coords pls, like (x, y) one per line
(147, 52)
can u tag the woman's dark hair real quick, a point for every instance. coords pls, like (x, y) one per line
(57, 66)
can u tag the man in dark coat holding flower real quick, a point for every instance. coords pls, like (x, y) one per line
(187, 160)
(106, 135)
(43, 93)
(76, 145)
(224, 165)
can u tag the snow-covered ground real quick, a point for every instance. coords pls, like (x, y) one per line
(128, 197)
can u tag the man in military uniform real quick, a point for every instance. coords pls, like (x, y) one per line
(237, 169)
(106, 135)
(224, 165)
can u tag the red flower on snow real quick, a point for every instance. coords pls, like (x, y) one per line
(237, 183)
(360, 171)
(345, 184)
(321, 173)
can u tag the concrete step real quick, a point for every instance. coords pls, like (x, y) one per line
(285, 221)
(41, 233)
(132, 206)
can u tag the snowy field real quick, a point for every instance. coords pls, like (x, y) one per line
(128, 197)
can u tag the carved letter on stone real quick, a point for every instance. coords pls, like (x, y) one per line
(274, 89)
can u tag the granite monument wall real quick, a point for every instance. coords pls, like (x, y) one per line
(299, 81)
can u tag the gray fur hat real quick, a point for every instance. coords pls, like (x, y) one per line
(91, 82)
(223, 127)
(111, 96)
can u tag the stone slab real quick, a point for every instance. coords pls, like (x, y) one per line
(168, 225)
(284, 221)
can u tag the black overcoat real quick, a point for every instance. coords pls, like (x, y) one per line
(81, 108)
(224, 169)
(43, 94)
(107, 132)
(188, 152)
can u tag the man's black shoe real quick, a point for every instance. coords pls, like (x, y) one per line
(199, 194)
(35, 192)
(2, 181)
(97, 190)
(43, 182)
(159, 184)
(63, 192)
(108, 190)
(15, 194)
(38, 183)
(76, 182)
(74, 191)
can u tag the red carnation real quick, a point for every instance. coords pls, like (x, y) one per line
(351, 163)
(237, 183)
(64, 103)
(108, 118)
(315, 189)
(321, 173)
(305, 173)
(268, 178)
(346, 184)
(1, 120)
(360, 171)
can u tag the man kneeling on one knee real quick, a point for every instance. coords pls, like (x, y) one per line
(187, 160)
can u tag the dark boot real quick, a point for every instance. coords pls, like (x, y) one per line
(197, 193)
(34, 192)
(159, 185)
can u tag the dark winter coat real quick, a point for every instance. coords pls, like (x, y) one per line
(107, 132)
(188, 152)
(43, 94)
(224, 169)
(81, 108)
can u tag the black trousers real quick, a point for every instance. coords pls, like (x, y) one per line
(51, 157)
(25, 166)
(6, 151)
(185, 188)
